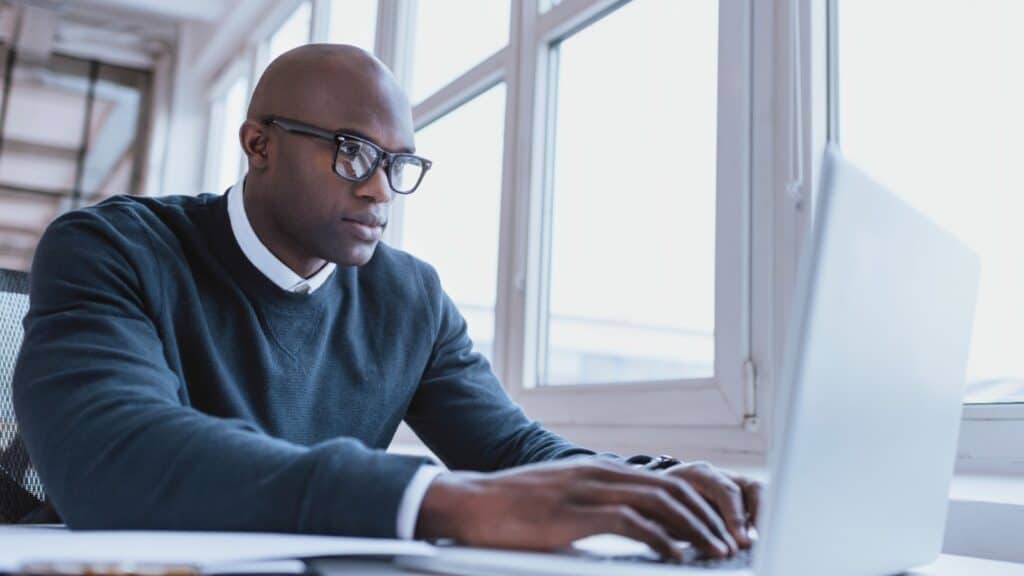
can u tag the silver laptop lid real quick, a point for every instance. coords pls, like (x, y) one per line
(871, 391)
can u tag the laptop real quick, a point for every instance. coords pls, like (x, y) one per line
(868, 407)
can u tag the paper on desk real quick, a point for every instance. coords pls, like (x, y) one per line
(201, 549)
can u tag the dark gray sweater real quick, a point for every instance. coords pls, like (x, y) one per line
(164, 382)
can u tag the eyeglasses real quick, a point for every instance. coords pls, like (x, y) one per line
(356, 159)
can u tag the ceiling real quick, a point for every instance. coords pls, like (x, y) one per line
(178, 10)
(34, 156)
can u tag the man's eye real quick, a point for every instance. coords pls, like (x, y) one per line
(350, 149)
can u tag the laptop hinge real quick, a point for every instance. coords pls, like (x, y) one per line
(750, 420)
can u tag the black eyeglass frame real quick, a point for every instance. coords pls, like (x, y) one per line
(339, 137)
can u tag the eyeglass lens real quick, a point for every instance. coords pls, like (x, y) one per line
(356, 159)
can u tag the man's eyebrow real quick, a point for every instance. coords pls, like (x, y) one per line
(353, 132)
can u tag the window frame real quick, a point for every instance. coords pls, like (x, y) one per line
(715, 401)
(215, 105)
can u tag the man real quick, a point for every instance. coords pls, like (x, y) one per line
(241, 362)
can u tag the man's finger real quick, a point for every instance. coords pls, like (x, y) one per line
(623, 520)
(659, 505)
(722, 491)
(681, 490)
(727, 496)
(751, 497)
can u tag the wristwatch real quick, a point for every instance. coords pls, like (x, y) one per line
(647, 463)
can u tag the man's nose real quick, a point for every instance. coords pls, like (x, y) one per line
(376, 187)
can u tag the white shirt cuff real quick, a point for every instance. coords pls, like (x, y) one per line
(415, 490)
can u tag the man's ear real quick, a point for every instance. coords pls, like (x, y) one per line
(253, 137)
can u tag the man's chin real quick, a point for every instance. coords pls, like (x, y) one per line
(358, 255)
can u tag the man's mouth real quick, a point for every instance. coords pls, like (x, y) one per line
(368, 220)
(365, 227)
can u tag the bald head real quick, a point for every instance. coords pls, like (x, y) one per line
(301, 209)
(333, 86)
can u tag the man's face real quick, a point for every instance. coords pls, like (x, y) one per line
(329, 217)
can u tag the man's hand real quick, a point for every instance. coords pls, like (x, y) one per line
(734, 497)
(550, 505)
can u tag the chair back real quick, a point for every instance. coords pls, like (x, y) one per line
(21, 491)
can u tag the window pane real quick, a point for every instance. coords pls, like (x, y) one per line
(452, 219)
(632, 273)
(228, 160)
(111, 158)
(353, 22)
(446, 46)
(292, 34)
(939, 121)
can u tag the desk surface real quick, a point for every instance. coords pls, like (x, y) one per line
(946, 565)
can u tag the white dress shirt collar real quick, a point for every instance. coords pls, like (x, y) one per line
(261, 257)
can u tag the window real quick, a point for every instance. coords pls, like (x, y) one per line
(451, 37)
(353, 22)
(632, 265)
(452, 220)
(938, 121)
(294, 32)
(637, 244)
(110, 164)
(224, 156)
(655, 312)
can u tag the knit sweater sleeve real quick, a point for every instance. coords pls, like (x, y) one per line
(109, 428)
(460, 410)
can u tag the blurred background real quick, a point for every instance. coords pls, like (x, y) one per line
(73, 128)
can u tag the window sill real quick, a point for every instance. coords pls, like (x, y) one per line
(985, 516)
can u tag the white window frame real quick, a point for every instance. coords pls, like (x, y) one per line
(282, 11)
(989, 433)
(216, 97)
(715, 401)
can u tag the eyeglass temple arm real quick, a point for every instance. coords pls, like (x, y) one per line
(302, 128)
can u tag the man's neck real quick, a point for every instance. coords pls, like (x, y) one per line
(276, 239)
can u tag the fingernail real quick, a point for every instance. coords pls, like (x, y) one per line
(721, 548)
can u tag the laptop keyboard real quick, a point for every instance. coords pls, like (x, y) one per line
(741, 559)
(691, 558)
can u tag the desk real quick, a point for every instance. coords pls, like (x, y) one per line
(946, 565)
(949, 565)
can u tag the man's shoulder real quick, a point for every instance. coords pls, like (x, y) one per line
(391, 261)
(125, 205)
(123, 224)
(401, 277)
(127, 215)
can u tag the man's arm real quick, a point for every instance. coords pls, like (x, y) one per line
(460, 410)
(462, 413)
(105, 424)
